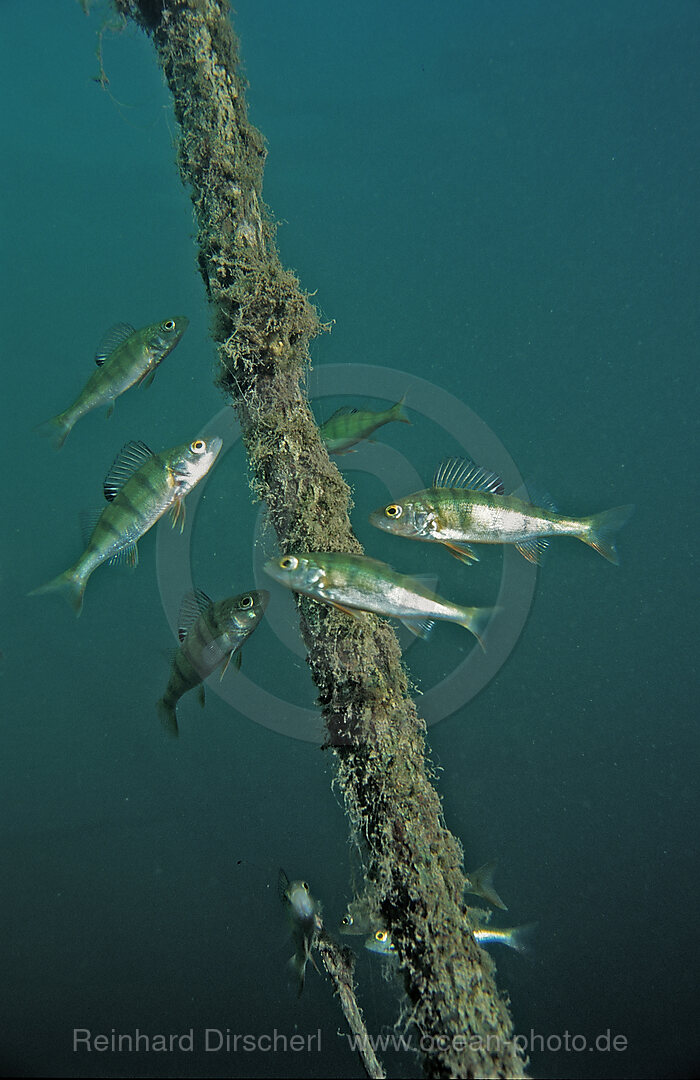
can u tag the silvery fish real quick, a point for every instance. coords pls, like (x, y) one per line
(139, 488)
(346, 426)
(467, 505)
(125, 356)
(304, 916)
(355, 583)
(211, 636)
(358, 918)
(515, 937)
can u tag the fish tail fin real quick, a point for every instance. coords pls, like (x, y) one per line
(56, 429)
(70, 584)
(168, 717)
(600, 531)
(399, 413)
(521, 938)
(481, 882)
(476, 619)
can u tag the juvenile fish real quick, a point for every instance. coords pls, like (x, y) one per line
(139, 488)
(354, 583)
(514, 937)
(211, 636)
(124, 357)
(358, 918)
(467, 505)
(304, 916)
(347, 426)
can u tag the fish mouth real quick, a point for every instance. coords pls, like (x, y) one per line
(379, 519)
(272, 568)
(214, 446)
(262, 597)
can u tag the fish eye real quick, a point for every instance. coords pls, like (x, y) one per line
(304, 886)
(346, 920)
(169, 325)
(289, 562)
(381, 936)
(247, 602)
(394, 510)
(198, 446)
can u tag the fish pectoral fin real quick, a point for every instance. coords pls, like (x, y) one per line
(463, 552)
(147, 378)
(534, 550)
(110, 409)
(88, 520)
(234, 656)
(126, 556)
(128, 461)
(421, 627)
(112, 339)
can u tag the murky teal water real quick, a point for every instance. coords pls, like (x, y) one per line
(496, 198)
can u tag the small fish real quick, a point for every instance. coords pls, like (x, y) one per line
(349, 426)
(467, 505)
(211, 635)
(124, 356)
(304, 916)
(355, 583)
(139, 488)
(358, 918)
(480, 883)
(515, 937)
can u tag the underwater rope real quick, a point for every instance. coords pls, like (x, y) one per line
(262, 323)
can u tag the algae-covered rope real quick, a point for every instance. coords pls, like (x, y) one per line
(262, 323)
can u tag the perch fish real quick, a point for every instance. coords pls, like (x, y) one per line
(514, 937)
(355, 583)
(139, 488)
(125, 356)
(347, 426)
(304, 916)
(211, 636)
(467, 505)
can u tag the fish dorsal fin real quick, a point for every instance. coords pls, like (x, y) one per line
(282, 885)
(128, 461)
(463, 473)
(344, 410)
(112, 339)
(537, 496)
(194, 603)
(88, 520)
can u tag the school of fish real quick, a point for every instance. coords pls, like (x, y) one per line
(465, 505)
